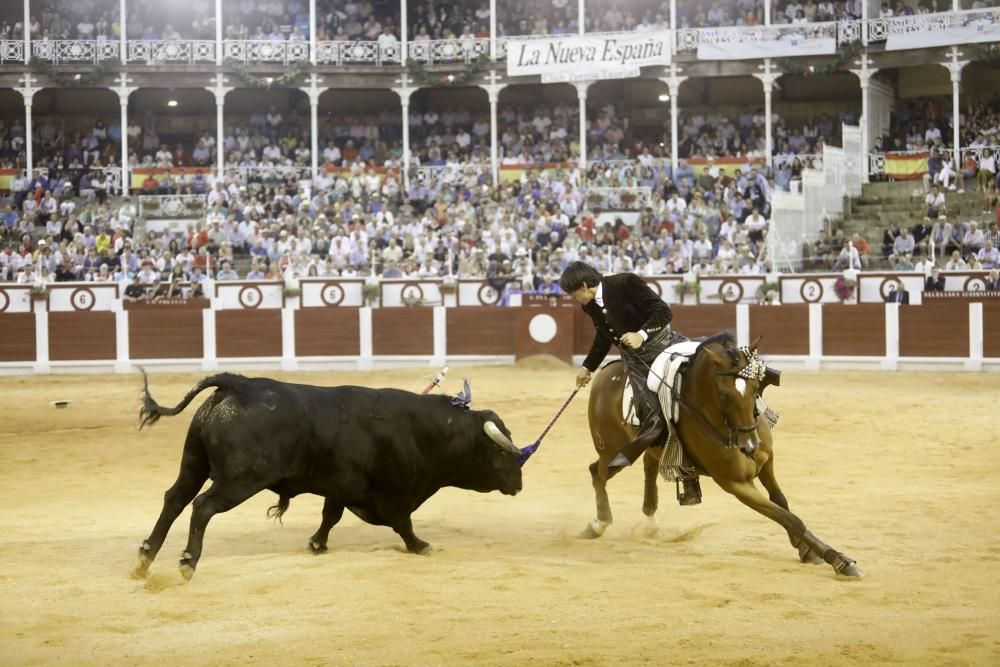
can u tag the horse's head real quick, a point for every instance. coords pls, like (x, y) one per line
(737, 374)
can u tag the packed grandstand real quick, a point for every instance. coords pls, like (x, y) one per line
(350, 148)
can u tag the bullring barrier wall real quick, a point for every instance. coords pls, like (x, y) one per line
(86, 327)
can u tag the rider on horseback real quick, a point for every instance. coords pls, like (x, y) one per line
(627, 312)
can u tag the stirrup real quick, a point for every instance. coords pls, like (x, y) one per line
(692, 492)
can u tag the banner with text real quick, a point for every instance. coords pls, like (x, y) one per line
(982, 30)
(780, 45)
(582, 54)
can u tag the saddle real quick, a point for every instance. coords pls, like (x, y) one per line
(666, 379)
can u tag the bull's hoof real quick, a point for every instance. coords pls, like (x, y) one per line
(420, 549)
(317, 548)
(594, 529)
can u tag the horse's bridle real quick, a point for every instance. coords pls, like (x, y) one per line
(753, 370)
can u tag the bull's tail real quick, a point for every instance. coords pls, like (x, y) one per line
(277, 511)
(151, 411)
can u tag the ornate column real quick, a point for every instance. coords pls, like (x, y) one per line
(313, 92)
(493, 30)
(767, 78)
(954, 67)
(312, 32)
(404, 90)
(123, 36)
(219, 89)
(28, 91)
(581, 93)
(865, 73)
(27, 35)
(124, 90)
(218, 35)
(674, 82)
(493, 92)
(404, 32)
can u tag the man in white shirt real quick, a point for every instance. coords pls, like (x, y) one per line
(946, 176)
(932, 134)
(934, 204)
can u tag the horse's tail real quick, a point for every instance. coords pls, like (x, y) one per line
(151, 411)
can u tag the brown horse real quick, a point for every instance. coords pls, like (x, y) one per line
(722, 435)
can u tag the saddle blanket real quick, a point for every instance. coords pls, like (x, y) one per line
(666, 366)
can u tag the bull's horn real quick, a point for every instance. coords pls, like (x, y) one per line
(497, 436)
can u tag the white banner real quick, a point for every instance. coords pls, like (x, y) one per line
(788, 45)
(576, 54)
(977, 31)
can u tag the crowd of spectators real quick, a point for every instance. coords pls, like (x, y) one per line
(267, 20)
(520, 234)
(378, 20)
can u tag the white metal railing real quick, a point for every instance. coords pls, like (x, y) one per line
(880, 29)
(158, 51)
(618, 199)
(172, 206)
(265, 51)
(876, 163)
(450, 173)
(11, 51)
(984, 22)
(433, 52)
(807, 160)
(360, 52)
(977, 152)
(275, 173)
(59, 51)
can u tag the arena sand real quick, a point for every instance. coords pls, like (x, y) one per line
(897, 470)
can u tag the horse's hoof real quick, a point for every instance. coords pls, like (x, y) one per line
(317, 548)
(422, 549)
(851, 570)
(651, 529)
(142, 567)
(186, 567)
(594, 529)
(140, 571)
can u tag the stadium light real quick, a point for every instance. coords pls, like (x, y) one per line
(664, 98)
(172, 103)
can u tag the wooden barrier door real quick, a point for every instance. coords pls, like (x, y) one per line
(544, 331)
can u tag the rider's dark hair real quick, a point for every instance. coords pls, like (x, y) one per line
(577, 275)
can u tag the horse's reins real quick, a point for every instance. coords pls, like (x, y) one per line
(702, 420)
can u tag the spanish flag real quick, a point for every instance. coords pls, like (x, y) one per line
(906, 166)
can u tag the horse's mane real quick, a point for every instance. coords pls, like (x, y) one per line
(725, 340)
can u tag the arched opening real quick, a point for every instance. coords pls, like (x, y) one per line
(362, 126)
(538, 124)
(267, 136)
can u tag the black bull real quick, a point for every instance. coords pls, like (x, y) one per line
(378, 452)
